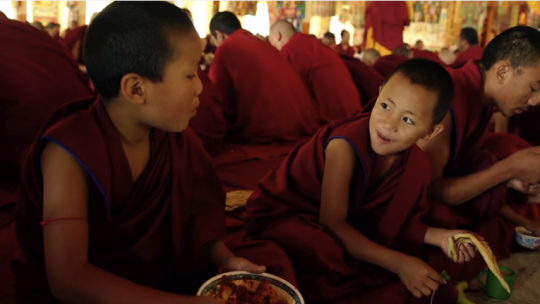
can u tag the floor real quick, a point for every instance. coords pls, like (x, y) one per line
(526, 285)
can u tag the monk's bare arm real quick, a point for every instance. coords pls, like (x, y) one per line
(338, 171)
(71, 277)
(454, 191)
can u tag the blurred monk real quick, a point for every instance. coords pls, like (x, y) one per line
(74, 40)
(348, 205)
(370, 56)
(38, 76)
(119, 201)
(385, 21)
(264, 99)
(447, 56)
(329, 39)
(468, 47)
(386, 64)
(321, 69)
(38, 25)
(368, 82)
(419, 45)
(53, 29)
(344, 48)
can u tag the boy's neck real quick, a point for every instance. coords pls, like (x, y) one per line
(131, 131)
(487, 100)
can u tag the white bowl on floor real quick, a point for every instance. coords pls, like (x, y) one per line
(282, 288)
(525, 239)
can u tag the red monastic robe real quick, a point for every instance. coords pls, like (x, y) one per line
(75, 35)
(427, 55)
(209, 123)
(285, 208)
(386, 64)
(264, 99)
(474, 52)
(367, 80)
(325, 76)
(349, 52)
(387, 20)
(149, 231)
(38, 76)
(528, 125)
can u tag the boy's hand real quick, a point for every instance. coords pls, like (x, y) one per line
(523, 187)
(419, 278)
(534, 227)
(466, 251)
(240, 264)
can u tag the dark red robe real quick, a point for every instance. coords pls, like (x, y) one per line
(367, 80)
(285, 208)
(349, 52)
(474, 52)
(386, 64)
(325, 76)
(528, 125)
(149, 231)
(209, 123)
(388, 19)
(75, 35)
(39, 75)
(264, 99)
(427, 55)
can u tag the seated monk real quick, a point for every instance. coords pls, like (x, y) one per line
(386, 64)
(469, 179)
(367, 81)
(38, 75)
(329, 39)
(322, 71)
(347, 206)
(264, 99)
(344, 48)
(370, 56)
(130, 206)
(468, 47)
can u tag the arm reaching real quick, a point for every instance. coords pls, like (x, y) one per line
(340, 163)
(71, 277)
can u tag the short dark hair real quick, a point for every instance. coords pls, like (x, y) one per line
(343, 32)
(433, 77)
(116, 45)
(419, 41)
(225, 22)
(52, 25)
(520, 45)
(329, 35)
(470, 35)
(401, 50)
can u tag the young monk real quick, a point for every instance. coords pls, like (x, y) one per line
(130, 206)
(347, 205)
(321, 69)
(264, 99)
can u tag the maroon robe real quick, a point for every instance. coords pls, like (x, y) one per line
(75, 35)
(474, 52)
(386, 64)
(427, 55)
(264, 99)
(528, 125)
(349, 52)
(209, 123)
(285, 208)
(325, 76)
(367, 80)
(149, 231)
(387, 19)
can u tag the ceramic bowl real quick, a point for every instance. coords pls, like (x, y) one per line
(283, 288)
(526, 240)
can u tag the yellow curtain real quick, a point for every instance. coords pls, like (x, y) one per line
(372, 44)
(535, 5)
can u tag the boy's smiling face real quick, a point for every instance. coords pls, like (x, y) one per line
(402, 114)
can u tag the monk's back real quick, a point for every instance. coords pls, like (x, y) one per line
(265, 100)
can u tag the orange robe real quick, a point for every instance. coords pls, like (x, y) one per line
(325, 75)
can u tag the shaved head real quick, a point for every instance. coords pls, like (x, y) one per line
(403, 51)
(280, 33)
(370, 56)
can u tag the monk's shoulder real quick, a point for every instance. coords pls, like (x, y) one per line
(75, 119)
(421, 162)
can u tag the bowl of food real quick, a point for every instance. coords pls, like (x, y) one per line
(243, 287)
(526, 238)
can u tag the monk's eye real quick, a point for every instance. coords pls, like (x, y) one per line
(407, 120)
(532, 90)
(385, 106)
(191, 76)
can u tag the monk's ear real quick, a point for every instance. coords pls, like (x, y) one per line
(436, 129)
(132, 88)
(502, 71)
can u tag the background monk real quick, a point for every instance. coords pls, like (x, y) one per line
(344, 48)
(264, 99)
(38, 76)
(386, 64)
(419, 45)
(366, 79)
(329, 39)
(130, 206)
(447, 56)
(468, 47)
(54, 30)
(385, 21)
(321, 69)
(470, 182)
(74, 40)
(370, 56)
(347, 206)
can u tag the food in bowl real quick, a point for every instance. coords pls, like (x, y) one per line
(525, 238)
(248, 288)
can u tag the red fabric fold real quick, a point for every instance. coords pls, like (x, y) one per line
(386, 64)
(388, 19)
(367, 80)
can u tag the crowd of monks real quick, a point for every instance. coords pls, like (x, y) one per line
(266, 115)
